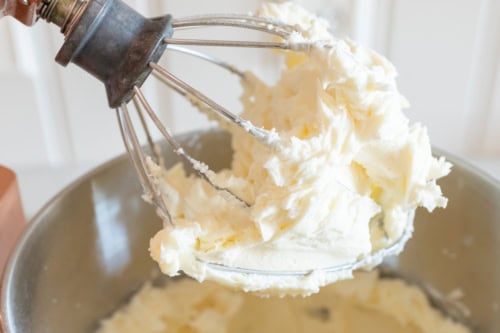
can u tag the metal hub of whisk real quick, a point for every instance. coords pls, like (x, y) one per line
(122, 48)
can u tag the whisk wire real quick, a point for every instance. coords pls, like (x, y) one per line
(199, 167)
(227, 43)
(124, 131)
(147, 133)
(138, 158)
(235, 17)
(241, 21)
(260, 134)
(208, 58)
(248, 22)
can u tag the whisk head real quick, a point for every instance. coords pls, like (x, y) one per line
(124, 59)
(202, 101)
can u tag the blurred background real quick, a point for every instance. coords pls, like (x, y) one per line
(55, 123)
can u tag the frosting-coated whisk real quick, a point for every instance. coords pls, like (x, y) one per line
(121, 48)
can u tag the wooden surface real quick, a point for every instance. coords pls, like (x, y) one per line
(12, 219)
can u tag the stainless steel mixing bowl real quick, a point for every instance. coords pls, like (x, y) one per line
(86, 252)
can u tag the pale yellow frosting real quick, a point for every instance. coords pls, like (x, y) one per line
(349, 172)
(366, 304)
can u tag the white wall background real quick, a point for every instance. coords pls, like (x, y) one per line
(54, 121)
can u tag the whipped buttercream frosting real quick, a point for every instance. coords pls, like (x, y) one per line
(344, 183)
(365, 304)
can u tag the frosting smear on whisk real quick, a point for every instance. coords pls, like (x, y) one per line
(345, 182)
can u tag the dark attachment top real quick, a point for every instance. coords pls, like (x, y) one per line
(115, 44)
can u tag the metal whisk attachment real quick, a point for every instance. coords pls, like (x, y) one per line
(122, 48)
